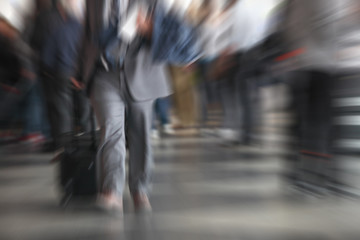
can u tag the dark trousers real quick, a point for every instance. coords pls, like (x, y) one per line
(229, 99)
(312, 105)
(207, 91)
(239, 96)
(248, 104)
(311, 159)
(34, 112)
(59, 101)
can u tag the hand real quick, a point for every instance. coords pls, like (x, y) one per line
(189, 68)
(76, 84)
(144, 24)
(27, 74)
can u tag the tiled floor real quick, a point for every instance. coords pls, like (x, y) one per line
(200, 191)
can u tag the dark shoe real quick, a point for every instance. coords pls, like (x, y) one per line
(141, 202)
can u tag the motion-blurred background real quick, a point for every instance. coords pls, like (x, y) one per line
(260, 139)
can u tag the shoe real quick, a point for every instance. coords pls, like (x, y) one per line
(155, 134)
(141, 203)
(205, 132)
(7, 137)
(228, 134)
(109, 203)
(168, 129)
(35, 138)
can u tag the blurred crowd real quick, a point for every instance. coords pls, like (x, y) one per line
(247, 46)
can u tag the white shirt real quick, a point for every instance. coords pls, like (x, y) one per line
(241, 27)
(251, 20)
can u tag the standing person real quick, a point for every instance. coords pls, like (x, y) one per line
(219, 49)
(246, 22)
(314, 31)
(123, 82)
(58, 55)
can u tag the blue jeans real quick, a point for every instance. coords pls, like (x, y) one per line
(28, 107)
(161, 111)
(34, 115)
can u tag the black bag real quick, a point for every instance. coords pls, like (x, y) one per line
(78, 167)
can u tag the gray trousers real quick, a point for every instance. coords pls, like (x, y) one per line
(114, 107)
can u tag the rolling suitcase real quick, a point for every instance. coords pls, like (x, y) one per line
(77, 168)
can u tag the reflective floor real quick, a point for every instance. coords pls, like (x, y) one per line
(201, 190)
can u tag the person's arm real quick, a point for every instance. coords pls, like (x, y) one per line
(77, 79)
(75, 76)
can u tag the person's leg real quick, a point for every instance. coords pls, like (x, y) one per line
(154, 127)
(246, 91)
(163, 109)
(58, 94)
(33, 112)
(163, 105)
(109, 107)
(202, 88)
(298, 83)
(140, 151)
(139, 114)
(45, 124)
(318, 127)
(231, 109)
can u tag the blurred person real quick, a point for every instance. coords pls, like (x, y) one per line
(184, 98)
(184, 78)
(218, 29)
(123, 82)
(58, 47)
(243, 25)
(10, 68)
(35, 35)
(312, 35)
(199, 13)
(19, 82)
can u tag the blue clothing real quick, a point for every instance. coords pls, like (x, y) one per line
(61, 45)
(113, 48)
(173, 40)
(34, 113)
(161, 111)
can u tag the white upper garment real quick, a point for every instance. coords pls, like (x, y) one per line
(16, 11)
(241, 28)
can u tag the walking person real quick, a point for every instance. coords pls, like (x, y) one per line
(58, 55)
(122, 81)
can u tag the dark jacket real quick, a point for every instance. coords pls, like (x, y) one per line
(60, 49)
